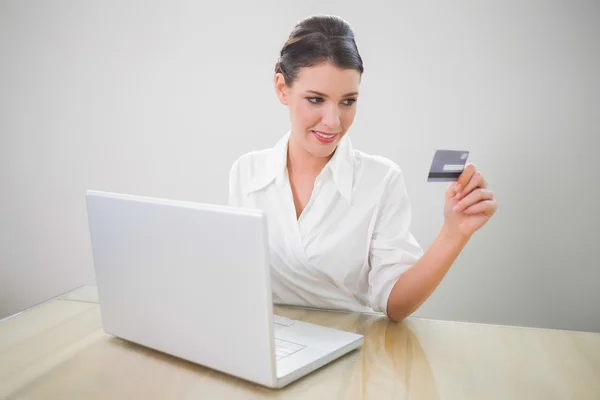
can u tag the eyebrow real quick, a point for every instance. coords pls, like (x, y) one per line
(324, 95)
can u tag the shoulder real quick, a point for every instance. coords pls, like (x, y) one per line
(378, 168)
(251, 161)
(251, 171)
(378, 180)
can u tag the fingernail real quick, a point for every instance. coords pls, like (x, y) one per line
(455, 208)
(457, 187)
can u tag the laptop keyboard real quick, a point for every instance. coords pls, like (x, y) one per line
(284, 348)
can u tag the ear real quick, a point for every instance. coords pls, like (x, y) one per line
(281, 88)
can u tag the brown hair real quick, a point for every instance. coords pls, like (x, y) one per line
(315, 40)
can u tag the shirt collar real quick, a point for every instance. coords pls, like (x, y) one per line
(341, 166)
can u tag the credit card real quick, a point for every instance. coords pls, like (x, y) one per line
(447, 165)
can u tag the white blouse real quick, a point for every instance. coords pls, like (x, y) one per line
(352, 240)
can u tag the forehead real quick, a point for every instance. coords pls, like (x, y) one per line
(328, 79)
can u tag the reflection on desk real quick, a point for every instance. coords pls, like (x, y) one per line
(58, 350)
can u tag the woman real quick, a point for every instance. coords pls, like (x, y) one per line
(339, 219)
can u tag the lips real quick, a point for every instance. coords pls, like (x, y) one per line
(325, 137)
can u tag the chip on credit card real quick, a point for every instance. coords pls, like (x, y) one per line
(447, 165)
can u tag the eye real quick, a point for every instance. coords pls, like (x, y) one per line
(315, 100)
(349, 102)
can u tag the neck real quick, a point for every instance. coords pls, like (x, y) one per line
(300, 160)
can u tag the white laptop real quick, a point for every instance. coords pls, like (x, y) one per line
(193, 280)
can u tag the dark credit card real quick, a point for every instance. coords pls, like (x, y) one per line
(447, 165)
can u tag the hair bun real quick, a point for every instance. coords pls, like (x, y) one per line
(318, 39)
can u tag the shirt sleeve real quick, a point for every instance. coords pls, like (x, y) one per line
(393, 248)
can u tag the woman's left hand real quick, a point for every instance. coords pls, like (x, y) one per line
(469, 204)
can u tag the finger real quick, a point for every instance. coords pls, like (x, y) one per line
(451, 190)
(487, 207)
(465, 176)
(472, 198)
(477, 181)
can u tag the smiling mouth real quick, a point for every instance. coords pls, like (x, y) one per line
(326, 136)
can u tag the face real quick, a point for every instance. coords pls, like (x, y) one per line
(322, 103)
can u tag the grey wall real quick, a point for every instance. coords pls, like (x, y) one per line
(158, 99)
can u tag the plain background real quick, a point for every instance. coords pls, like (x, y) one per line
(159, 98)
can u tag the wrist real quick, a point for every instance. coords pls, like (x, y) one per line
(453, 236)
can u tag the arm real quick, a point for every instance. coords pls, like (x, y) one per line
(468, 206)
(419, 281)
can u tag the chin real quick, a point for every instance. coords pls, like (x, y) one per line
(322, 153)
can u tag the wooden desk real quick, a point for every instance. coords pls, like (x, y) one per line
(58, 350)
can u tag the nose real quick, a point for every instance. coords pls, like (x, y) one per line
(331, 117)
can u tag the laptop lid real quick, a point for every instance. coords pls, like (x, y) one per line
(187, 279)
